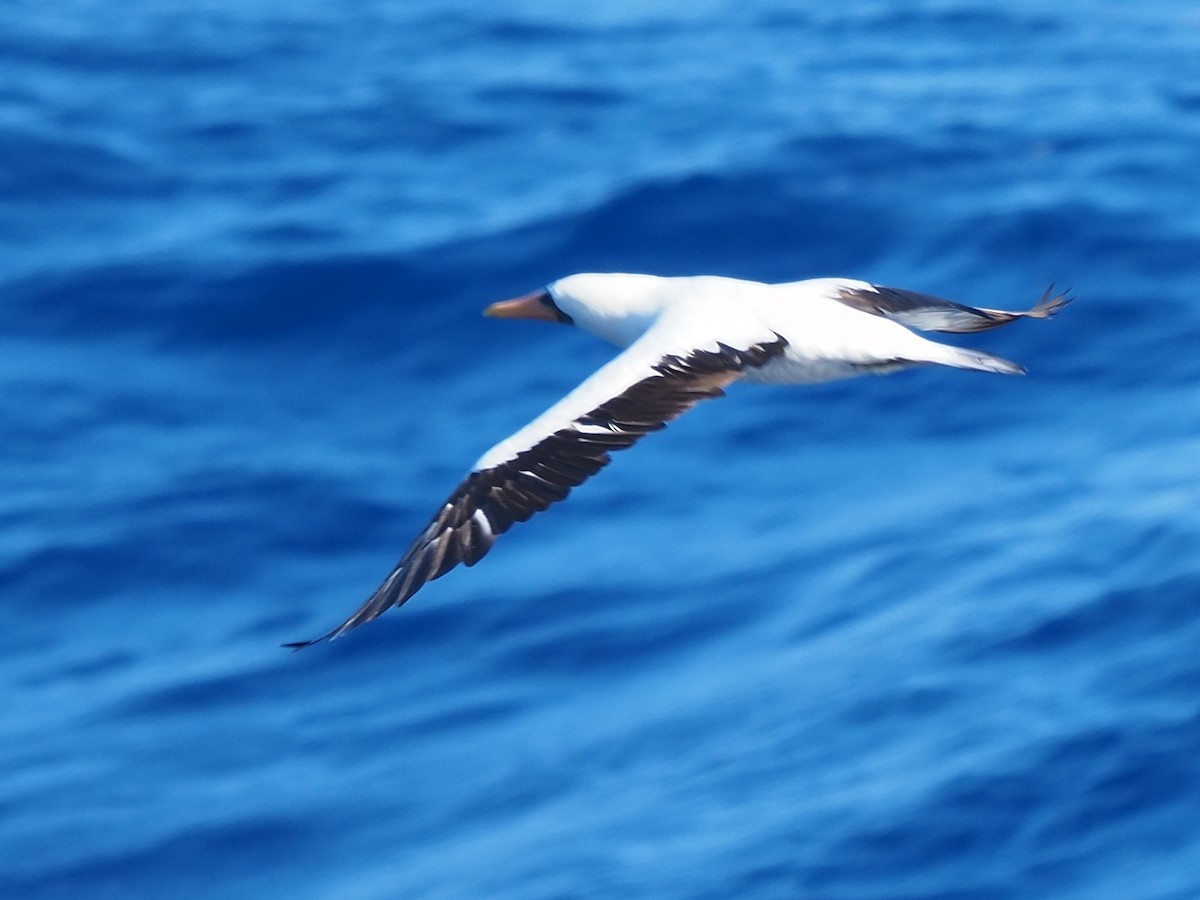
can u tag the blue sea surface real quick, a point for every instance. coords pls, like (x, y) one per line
(935, 635)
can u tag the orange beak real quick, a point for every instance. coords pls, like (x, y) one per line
(531, 306)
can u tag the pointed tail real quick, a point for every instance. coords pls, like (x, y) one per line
(980, 361)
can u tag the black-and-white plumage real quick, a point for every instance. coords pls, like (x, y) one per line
(686, 339)
(928, 313)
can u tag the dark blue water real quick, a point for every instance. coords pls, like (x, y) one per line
(934, 635)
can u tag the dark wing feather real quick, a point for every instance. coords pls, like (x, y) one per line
(929, 313)
(489, 501)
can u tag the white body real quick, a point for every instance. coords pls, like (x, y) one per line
(653, 316)
(826, 338)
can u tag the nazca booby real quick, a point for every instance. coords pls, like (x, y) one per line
(685, 339)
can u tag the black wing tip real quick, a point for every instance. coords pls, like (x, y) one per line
(300, 645)
(328, 636)
(1051, 302)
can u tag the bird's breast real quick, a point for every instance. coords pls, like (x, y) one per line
(790, 369)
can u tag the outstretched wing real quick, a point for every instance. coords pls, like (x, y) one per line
(927, 313)
(638, 392)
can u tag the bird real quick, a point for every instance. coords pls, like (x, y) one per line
(684, 340)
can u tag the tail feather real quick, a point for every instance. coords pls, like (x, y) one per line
(982, 362)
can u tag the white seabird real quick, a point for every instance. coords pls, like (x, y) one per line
(685, 340)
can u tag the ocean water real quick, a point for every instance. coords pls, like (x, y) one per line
(928, 636)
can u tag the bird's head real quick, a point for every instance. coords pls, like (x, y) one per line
(613, 306)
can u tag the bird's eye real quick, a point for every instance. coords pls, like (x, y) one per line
(548, 302)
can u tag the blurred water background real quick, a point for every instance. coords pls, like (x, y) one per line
(933, 635)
